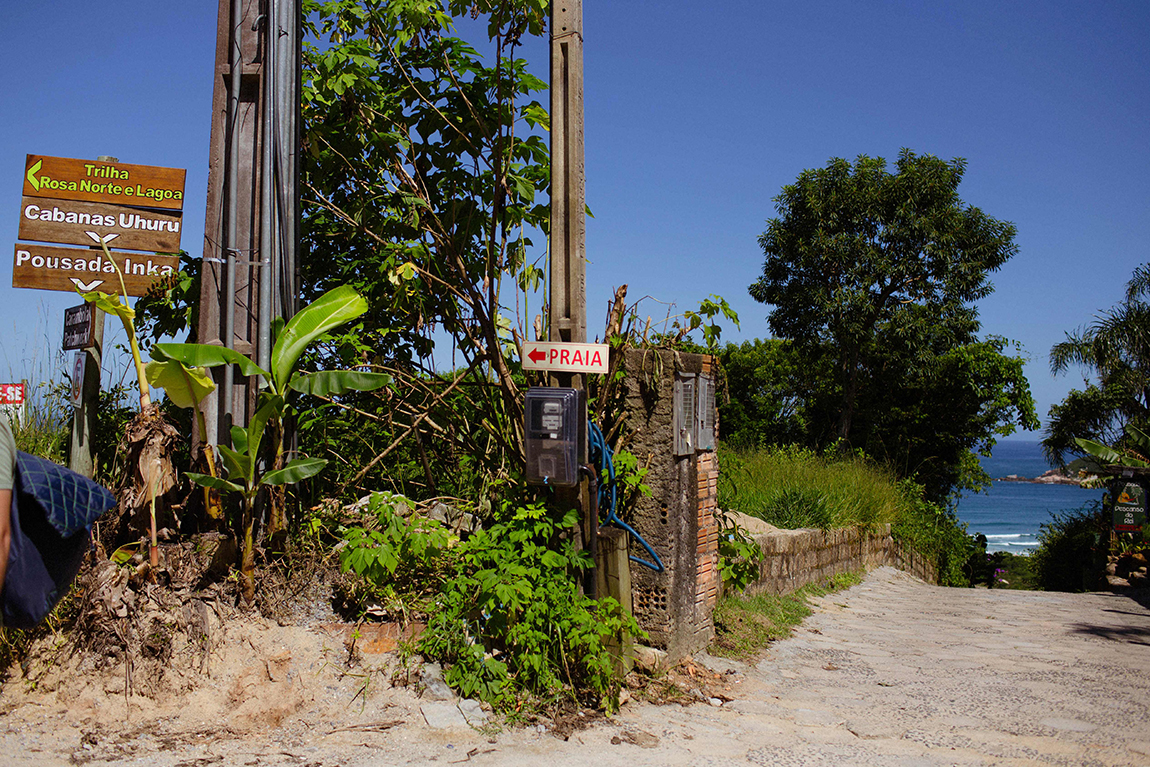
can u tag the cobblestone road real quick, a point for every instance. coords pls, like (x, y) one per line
(892, 672)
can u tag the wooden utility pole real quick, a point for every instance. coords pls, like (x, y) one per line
(248, 275)
(568, 309)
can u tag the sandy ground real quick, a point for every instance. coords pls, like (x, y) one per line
(890, 672)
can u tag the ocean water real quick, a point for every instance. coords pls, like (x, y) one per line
(1009, 514)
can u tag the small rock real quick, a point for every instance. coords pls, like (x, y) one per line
(624, 698)
(443, 716)
(715, 702)
(434, 688)
(472, 711)
(649, 659)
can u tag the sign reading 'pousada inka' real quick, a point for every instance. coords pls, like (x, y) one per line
(50, 268)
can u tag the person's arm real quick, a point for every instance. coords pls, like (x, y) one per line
(5, 532)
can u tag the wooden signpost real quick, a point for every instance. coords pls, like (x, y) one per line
(98, 203)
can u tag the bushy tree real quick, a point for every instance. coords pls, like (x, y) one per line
(856, 247)
(424, 175)
(872, 277)
(768, 388)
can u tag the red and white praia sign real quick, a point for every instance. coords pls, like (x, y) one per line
(12, 394)
(566, 357)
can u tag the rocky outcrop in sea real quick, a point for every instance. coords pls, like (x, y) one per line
(1052, 477)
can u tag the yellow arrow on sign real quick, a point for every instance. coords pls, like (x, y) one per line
(35, 182)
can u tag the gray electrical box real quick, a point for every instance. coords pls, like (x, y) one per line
(556, 435)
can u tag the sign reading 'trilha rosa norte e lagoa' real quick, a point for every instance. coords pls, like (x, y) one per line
(64, 178)
(100, 204)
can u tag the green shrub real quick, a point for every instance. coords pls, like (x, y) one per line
(935, 532)
(505, 615)
(1071, 551)
(511, 617)
(739, 555)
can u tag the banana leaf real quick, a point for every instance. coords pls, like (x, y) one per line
(294, 471)
(1108, 454)
(326, 383)
(207, 356)
(185, 387)
(237, 462)
(332, 309)
(215, 483)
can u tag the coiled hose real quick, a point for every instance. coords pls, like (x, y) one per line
(602, 457)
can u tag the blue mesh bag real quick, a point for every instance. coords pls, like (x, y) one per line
(53, 510)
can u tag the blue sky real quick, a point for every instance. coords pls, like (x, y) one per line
(696, 115)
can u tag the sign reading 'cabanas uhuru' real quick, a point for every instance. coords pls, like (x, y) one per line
(84, 223)
(63, 178)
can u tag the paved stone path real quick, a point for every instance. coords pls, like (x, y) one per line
(893, 672)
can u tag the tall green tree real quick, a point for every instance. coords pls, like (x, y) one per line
(1114, 351)
(872, 278)
(856, 247)
(769, 391)
(424, 177)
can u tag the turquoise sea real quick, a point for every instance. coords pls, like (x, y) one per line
(1009, 513)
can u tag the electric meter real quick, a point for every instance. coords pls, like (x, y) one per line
(556, 431)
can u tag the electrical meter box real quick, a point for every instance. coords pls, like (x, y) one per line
(556, 435)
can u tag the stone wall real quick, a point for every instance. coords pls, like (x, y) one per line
(678, 519)
(794, 558)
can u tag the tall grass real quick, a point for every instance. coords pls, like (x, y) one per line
(31, 353)
(43, 426)
(794, 487)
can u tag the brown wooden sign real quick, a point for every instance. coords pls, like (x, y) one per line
(79, 327)
(63, 178)
(46, 267)
(87, 223)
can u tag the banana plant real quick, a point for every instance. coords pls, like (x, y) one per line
(187, 387)
(242, 461)
(148, 439)
(1133, 453)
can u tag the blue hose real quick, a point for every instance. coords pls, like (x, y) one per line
(600, 452)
